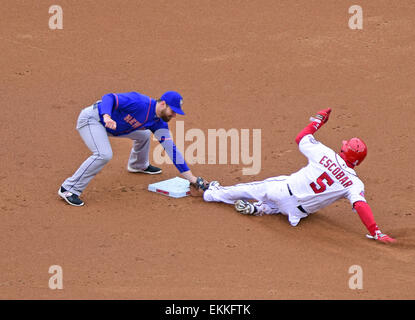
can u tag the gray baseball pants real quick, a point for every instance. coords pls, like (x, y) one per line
(96, 138)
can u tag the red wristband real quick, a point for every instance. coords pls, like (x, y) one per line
(366, 215)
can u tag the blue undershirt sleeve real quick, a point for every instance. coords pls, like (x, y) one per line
(107, 104)
(162, 133)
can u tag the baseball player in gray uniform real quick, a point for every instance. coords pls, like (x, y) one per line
(125, 115)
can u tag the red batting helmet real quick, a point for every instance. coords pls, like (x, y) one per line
(353, 151)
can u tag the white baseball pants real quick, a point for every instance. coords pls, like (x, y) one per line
(272, 197)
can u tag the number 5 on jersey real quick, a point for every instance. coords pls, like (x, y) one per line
(320, 182)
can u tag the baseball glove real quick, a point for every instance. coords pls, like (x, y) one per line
(197, 188)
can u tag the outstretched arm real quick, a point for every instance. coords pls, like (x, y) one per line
(162, 133)
(188, 175)
(365, 213)
(316, 123)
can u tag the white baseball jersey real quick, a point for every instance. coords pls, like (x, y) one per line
(325, 179)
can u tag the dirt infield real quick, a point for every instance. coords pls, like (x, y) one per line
(265, 65)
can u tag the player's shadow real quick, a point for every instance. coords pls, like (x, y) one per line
(317, 227)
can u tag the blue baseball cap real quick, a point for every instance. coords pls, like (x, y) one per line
(174, 100)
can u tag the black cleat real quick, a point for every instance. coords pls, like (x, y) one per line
(150, 170)
(70, 198)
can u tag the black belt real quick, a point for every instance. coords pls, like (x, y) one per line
(298, 207)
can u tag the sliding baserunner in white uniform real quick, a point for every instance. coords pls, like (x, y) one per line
(327, 177)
